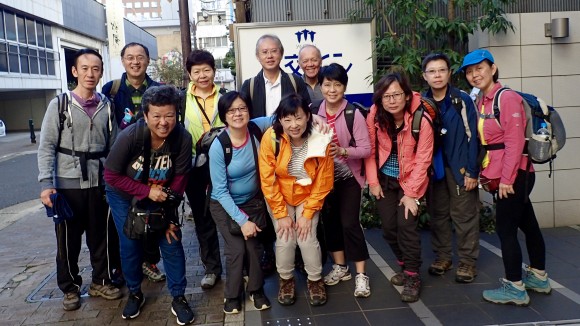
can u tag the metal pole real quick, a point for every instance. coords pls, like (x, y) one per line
(185, 36)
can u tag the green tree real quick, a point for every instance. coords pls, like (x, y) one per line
(230, 60)
(169, 69)
(407, 30)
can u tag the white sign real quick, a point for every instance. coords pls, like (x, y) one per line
(349, 44)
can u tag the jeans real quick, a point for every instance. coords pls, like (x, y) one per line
(132, 251)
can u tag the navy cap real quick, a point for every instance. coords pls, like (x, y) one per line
(475, 57)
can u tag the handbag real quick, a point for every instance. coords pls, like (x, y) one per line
(141, 220)
(256, 210)
(489, 185)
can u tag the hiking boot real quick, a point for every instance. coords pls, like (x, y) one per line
(133, 305)
(465, 273)
(287, 292)
(209, 280)
(232, 306)
(316, 292)
(71, 301)
(337, 274)
(260, 300)
(439, 267)
(107, 291)
(182, 311)
(508, 293)
(362, 287)
(397, 279)
(268, 262)
(152, 272)
(536, 282)
(411, 287)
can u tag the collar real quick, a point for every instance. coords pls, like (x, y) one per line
(496, 87)
(192, 88)
(278, 79)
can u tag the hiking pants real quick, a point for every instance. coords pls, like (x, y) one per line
(341, 220)
(452, 204)
(513, 213)
(235, 249)
(401, 234)
(205, 228)
(89, 215)
(310, 248)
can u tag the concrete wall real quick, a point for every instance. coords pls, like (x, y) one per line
(549, 68)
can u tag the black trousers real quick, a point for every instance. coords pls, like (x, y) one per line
(90, 215)
(235, 249)
(205, 227)
(401, 234)
(342, 222)
(513, 213)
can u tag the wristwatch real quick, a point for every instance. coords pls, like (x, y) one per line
(344, 153)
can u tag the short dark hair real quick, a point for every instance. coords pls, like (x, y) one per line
(385, 119)
(86, 51)
(433, 57)
(333, 71)
(128, 45)
(160, 95)
(199, 57)
(289, 105)
(225, 103)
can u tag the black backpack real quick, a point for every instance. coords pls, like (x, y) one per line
(202, 152)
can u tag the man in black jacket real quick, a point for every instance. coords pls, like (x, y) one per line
(271, 84)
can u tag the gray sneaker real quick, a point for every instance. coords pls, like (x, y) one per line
(152, 272)
(208, 281)
(71, 301)
(107, 291)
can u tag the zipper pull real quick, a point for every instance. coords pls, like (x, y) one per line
(457, 187)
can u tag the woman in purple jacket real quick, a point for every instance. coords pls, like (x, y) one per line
(342, 206)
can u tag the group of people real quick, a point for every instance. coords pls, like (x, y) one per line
(297, 158)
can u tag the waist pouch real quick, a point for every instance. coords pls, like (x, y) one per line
(256, 210)
(141, 221)
(489, 185)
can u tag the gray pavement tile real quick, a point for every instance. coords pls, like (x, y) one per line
(382, 296)
(443, 295)
(301, 308)
(509, 314)
(461, 315)
(353, 318)
(402, 316)
(554, 306)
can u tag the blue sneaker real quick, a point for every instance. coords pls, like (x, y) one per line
(508, 293)
(537, 283)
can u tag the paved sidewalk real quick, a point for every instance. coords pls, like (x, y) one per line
(29, 294)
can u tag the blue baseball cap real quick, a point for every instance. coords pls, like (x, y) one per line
(475, 57)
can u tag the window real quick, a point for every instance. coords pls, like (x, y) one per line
(154, 15)
(3, 57)
(13, 63)
(129, 5)
(51, 57)
(20, 27)
(2, 35)
(24, 60)
(33, 57)
(31, 31)
(153, 4)
(145, 4)
(42, 61)
(48, 36)
(10, 26)
(137, 4)
(146, 15)
(40, 35)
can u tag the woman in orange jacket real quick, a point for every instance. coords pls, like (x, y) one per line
(296, 174)
(397, 173)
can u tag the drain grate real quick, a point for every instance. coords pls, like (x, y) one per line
(301, 321)
(48, 288)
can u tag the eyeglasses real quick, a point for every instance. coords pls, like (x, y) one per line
(267, 52)
(241, 109)
(433, 72)
(397, 96)
(139, 58)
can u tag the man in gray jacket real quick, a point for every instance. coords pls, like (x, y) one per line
(70, 156)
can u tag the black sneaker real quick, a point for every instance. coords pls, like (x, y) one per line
(182, 311)
(260, 300)
(232, 306)
(133, 306)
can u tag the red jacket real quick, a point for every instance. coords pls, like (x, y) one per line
(504, 163)
(413, 167)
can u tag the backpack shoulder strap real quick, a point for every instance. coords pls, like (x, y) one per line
(496, 103)
(226, 143)
(115, 88)
(143, 144)
(293, 81)
(252, 82)
(255, 130)
(62, 107)
(416, 124)
(459, 105)
(349, 112)
(275, 143)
